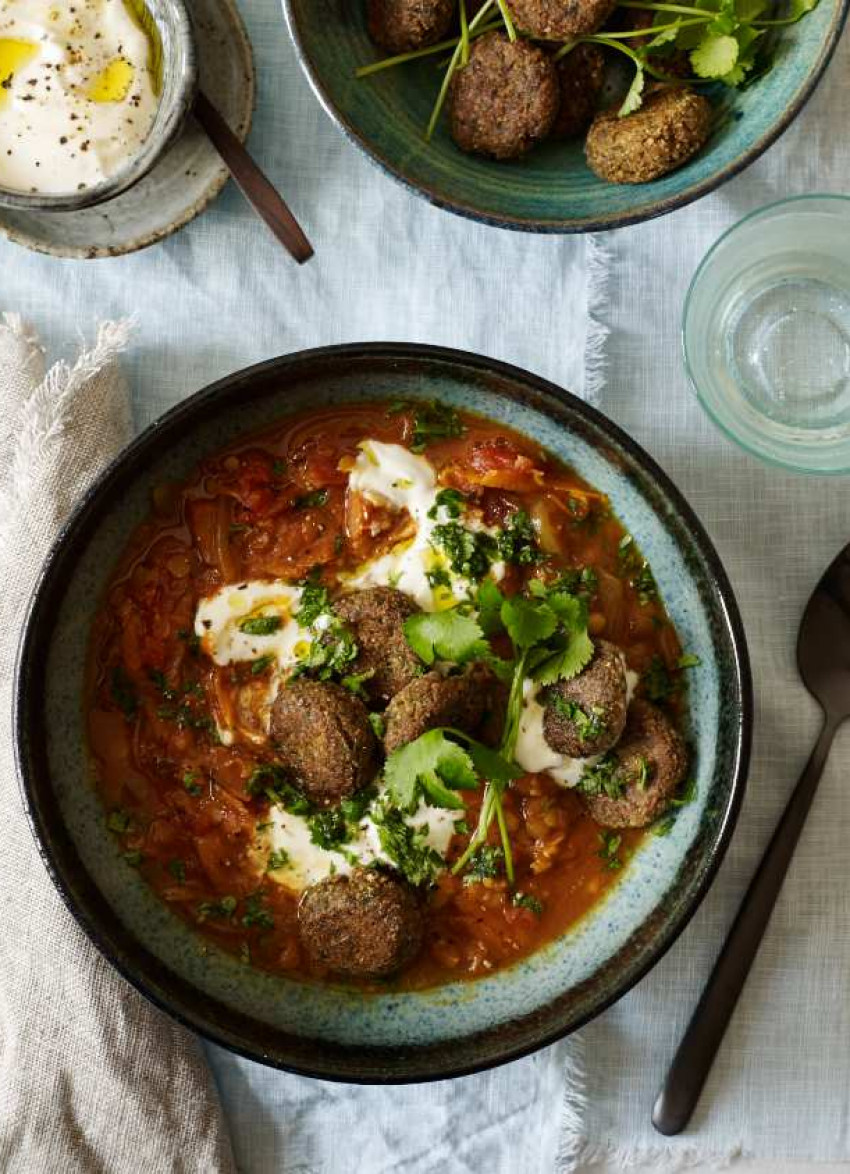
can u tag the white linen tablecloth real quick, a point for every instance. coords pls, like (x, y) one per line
(222, 294)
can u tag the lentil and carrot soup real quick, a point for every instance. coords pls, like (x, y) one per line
(384, 693)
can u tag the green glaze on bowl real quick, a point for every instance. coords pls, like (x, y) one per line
(552, 190)
(322, 1030)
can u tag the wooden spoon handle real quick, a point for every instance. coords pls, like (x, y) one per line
(692, 1063)
(256, 188)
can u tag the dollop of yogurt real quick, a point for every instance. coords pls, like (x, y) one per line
(77, 94)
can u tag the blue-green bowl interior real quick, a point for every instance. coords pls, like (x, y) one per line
(552, 189)
(324, 1029)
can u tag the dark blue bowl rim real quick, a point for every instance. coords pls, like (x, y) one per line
(569, 226)
(160, 985)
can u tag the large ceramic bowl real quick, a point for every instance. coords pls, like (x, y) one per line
(552, 190)
(322, 1030)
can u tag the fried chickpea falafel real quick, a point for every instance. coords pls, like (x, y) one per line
(324, 739)
(587, 714)
(365, 925)
(401, 25)
(651, 761)
(668, 130)
(557, 20)
(505, 100)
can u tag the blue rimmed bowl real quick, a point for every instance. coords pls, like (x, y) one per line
(322, 1030)
(552, 190)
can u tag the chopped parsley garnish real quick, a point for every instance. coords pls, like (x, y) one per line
(439, 577)
(469, 552)
(379, 726)
(191, 784)
(689, 660)
(221, 910)
(664, 825)
(260, 625)
(315, 499)
(407, 847)
(177, 868)
(355, 807)
(517, 542)
(277, 859)
(193, 641)
(527, 901)
(603, 778)
(588, 725)
(644, 773)
(485, 863)
(255, 914)
(134, 859)
(328, 829)
(431, 421)
(582, 581)
(261, 664)
(451, 500)
(124, 692)
(279, 467)
(610, 844)
(657, 683)
(272, 781)
(331, 654)
(118, 821)
(315, 601)
(637, 569)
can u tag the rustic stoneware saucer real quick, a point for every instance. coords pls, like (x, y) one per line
(181, 185)
(329, 1031)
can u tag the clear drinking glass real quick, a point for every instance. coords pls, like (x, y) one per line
(766, 333)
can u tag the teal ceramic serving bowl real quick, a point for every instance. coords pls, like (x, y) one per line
(552, 190)
(328, 1031)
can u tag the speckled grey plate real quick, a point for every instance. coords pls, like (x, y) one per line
(183, 183)
(320, 1030)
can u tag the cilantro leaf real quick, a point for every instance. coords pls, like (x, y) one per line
(566, 662)
(431, 763)
(489, 602)
(445, 635)
(715, 55)
(528, 622)
(634, 97)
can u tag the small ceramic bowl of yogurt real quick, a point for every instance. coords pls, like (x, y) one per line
(91, 96)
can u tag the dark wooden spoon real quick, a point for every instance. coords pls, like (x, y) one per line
(254, 185)
(823, 657)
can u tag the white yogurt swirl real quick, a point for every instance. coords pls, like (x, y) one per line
(77, 96)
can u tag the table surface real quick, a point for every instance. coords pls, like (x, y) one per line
(219, 296)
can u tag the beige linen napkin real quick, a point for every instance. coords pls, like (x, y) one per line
(92, 1078)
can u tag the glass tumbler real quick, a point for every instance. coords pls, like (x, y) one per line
(766, 333)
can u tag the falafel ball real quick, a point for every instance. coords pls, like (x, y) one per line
(505, 100)
(671, 126)
(365, 925)
(376, 617)
(400, 25)
(473, 701)
(651, 761)
(557, 20)
(324, 738)
(587, 714)
(581, 75)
